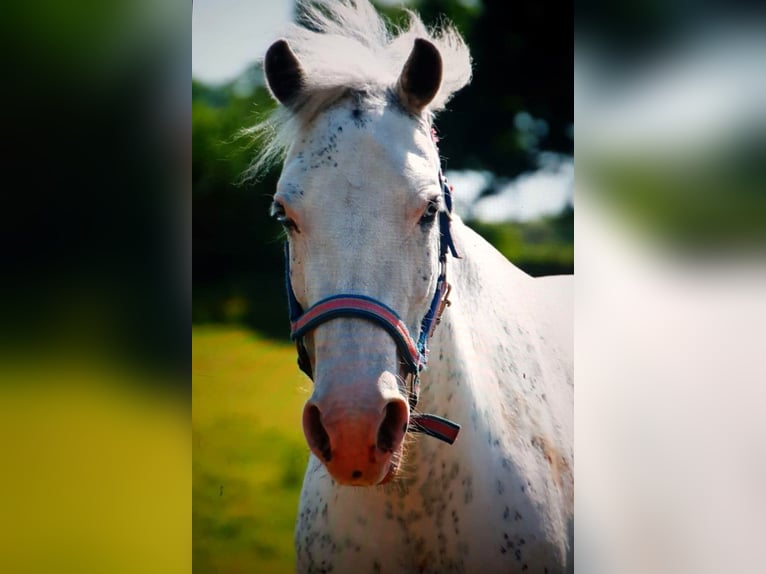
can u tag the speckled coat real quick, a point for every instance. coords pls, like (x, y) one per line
(501, 498)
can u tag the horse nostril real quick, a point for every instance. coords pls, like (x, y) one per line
(316, 435)
(393, 427)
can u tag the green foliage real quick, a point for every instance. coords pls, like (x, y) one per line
(220, 155)
(462, 13)
(233, 234)
(542, 247)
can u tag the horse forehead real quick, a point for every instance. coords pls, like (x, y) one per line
(349, 147)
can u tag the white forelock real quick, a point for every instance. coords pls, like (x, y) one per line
(346, 45)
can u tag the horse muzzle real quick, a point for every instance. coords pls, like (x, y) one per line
(358, 446)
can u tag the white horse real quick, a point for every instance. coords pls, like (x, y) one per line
(370, 234)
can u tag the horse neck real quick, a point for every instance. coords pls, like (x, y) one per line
(470, 352)
(466, 380)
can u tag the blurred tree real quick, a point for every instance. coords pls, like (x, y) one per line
(237, 247)
(233, 233)
(520, 100)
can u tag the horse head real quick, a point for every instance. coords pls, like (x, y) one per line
(360, 198)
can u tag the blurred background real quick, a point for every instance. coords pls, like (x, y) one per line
(95, 298)
(95, 445)
(670, 101)
(507, 141)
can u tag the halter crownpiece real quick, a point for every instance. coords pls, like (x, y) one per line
(414, 352)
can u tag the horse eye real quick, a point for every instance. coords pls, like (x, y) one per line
(278, 212)
(430, 213)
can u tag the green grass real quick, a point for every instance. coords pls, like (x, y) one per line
(248, 448)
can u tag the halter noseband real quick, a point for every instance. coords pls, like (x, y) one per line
(414, 352)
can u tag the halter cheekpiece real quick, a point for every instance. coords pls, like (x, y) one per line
(413, 352)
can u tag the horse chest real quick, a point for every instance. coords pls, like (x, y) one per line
(449, 519)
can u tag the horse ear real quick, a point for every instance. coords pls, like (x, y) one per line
(421, 76)
(284, 74)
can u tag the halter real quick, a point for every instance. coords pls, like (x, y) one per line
(414, 352)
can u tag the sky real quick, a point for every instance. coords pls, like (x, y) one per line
(228, 35)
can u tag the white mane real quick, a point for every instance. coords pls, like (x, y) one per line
(343, 46)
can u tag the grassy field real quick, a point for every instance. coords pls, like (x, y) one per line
(248, 448)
